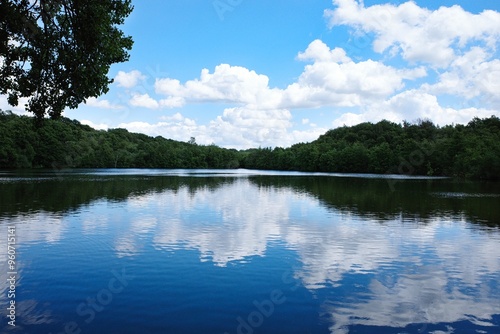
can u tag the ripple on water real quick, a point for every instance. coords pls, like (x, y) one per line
(463, 195)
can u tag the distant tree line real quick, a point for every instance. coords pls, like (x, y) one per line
(66, 143)
(471, 151)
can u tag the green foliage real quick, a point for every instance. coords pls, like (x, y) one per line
(68, 144)
(58, 53)
(471, 151)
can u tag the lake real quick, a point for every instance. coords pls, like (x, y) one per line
(240, 251)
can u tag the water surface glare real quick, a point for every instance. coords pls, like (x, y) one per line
(225, 251)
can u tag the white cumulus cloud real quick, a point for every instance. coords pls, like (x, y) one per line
(129, 79)
(238, 128)
(227, 83)
(97, 126)
(472, 75)
(411, 105)
(104, 104)
(334, 79)
(144, 101)
(418, 34)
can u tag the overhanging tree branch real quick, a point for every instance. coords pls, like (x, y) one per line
(57, 53)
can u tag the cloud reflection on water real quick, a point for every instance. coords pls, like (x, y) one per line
(239, 220)
(418, 273)
(423, 298)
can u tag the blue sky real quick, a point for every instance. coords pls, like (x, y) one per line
(250, 73)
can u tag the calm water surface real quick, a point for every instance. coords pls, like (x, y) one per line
(197, 251)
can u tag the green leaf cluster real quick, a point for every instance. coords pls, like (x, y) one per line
(58, 53)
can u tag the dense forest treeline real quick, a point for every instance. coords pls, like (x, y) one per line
(471, 150)
(67, 143)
